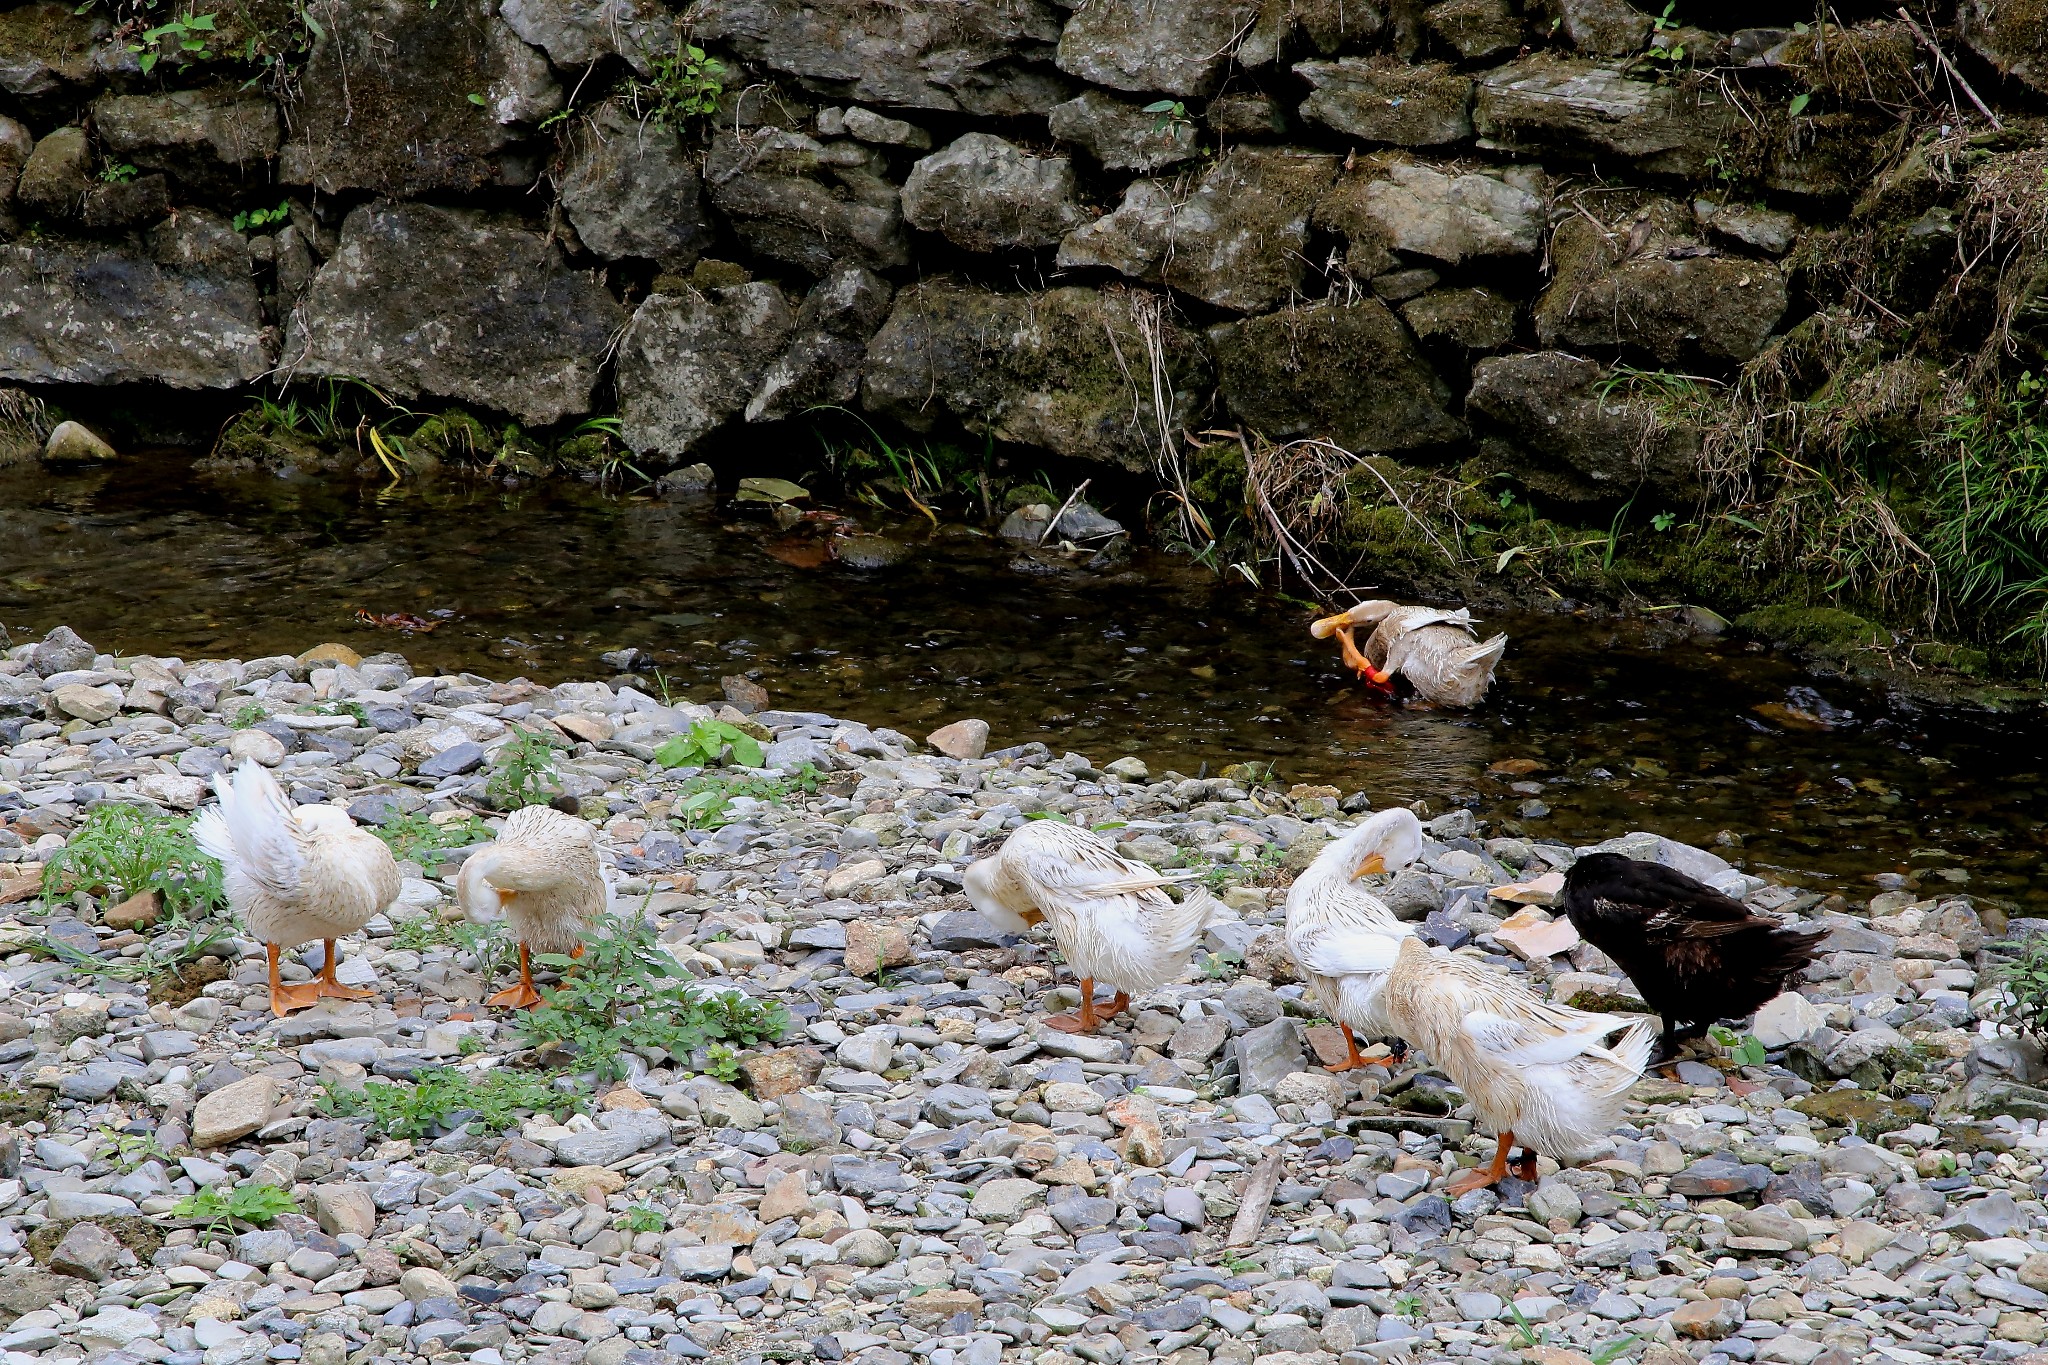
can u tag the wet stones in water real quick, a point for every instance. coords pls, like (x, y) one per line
(869, 552)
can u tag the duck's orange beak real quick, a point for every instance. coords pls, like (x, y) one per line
(1033, 917)
(1371, 863)
(504, 896)
(1329, 625)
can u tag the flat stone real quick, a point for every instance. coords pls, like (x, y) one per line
(88, 1252)
(962, 739)
(233, 1111)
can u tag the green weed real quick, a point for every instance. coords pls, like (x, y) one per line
(250, 219)
(707, 743)
(681, 86)
(249, 715)
(443, 1097)
(2024, 1005)
(705, 801)
(127, 850)
(642, 1218)
(1743, 1049)
(627, 993)
(188, 36)
(523, 773)
(412, 836)
(132, 1150)
(250, 1203)
(1988, 523)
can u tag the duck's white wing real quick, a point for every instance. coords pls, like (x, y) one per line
(1517, 1027)
(1077, 864)
(1348, 954)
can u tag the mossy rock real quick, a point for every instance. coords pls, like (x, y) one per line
(1872, 1114)
(450, 436)
(182, 985)
(140, 1235)
(30, 1104)
(251, 442)
(1828, 630)
(584, 452)
(1964, 659)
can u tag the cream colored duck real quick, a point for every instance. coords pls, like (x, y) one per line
(1326, 907)
(1543, 1076)
(1109, 914)
(544, 878)
(1437, 651)
(295, 875)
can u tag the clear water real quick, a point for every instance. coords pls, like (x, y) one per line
(1159, 658)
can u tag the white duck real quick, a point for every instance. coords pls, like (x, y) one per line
(1436, 651)
(1109, 914)
(295, 875)
(1543, 1076)
(1326, 907)
(542, 876)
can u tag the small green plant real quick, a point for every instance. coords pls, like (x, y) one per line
(352, 709)
(250, 219)
(177, 941)
(523, 773)
(1798, 105)
(1219, 966)
(444, 1096)
(116, 173)
(1664, 23)
(626, 992)
(1743, 1049)
(705, 801)
(132, 1150)
(682, 85)
(1172, 116)
(250, 1203)
(1238, 1265)
(642, 1218)
(706, 743)
(1408, 1306)
(1664, 521)
(187, 35)
(2023, 1007)
(129, 850)
(1614, 1350)
(412, 836)
(1527, 1334)
(250, 714)
(722, 1063)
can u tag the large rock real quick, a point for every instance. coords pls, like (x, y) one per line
(1066, 370)
(1298, 26)
(1130, 239)
(922, 54)
(821, 365)
(987, 194)
(1345, 372)
(1604, 28)
(1407, 105)
(2011, 37)
(1554, 107)
(1647, 286)
(1120, 134)
(1238, 241)
(1568, 441)
(689, 361)
(209, 140)
(455, 303)
(17, 144)
(1268, 1055)
(48, 47)
(772, 183)
(233, 1111)
(1180, 47)
(576, 33)
(179, 310)
(385, 99)
(1427, 212)
(58, 173)
(631, 190)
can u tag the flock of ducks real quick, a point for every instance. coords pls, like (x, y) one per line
(296, 875)
(1544, 1077)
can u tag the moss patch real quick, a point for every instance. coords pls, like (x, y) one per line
(140, 1235)
(29, 1104)
(1825, 630)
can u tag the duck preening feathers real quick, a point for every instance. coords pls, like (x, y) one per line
(1696, 955)
(544, 878)
(1437, 651)
(1109, 914)
(294, 875)
(1327, 910)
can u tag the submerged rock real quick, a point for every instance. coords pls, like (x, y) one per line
(459, 304)
(71, 443)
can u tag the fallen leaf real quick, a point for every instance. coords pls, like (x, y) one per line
(1790, 716)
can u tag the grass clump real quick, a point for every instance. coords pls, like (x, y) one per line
(627, 994)
(443, 1098)
(1988, 519)
(127, 850)
(413, 837)
(2023, 1007)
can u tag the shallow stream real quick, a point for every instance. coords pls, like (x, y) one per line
(1157, 658)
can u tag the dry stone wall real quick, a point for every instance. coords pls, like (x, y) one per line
(1421, 230)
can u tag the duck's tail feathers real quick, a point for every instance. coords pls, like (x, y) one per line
(1790, 952)
(1182, 925)
(1483, 655)
(1631, 1052)
(250, 830)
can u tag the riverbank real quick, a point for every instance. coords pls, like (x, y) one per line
(915, 1171)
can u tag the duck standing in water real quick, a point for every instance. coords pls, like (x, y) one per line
(1696, 955)
(1543, 1076)
(1328, 911)
(1437, 651)
(1109, 914)
(294, 875)
(543, 877)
